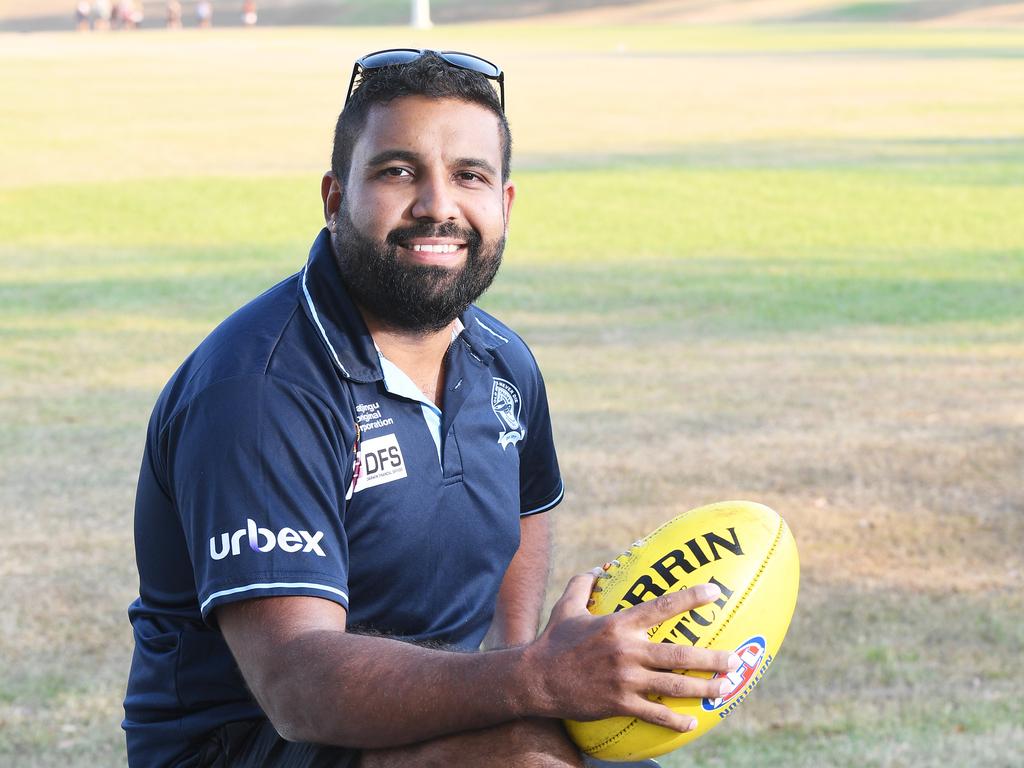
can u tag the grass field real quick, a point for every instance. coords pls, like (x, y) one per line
(775, 263)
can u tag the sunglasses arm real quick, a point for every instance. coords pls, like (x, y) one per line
(356, 69)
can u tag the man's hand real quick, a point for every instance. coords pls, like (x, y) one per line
(590, 667)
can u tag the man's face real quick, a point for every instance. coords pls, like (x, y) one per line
(419, 226)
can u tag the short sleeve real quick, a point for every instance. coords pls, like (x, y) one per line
(540, 482)
(258, 468)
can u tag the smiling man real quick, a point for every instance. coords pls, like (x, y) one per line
(345, 488)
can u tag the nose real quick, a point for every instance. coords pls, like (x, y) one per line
(435, 200)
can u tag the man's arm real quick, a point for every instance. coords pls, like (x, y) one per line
(521, 597)
(318, 683)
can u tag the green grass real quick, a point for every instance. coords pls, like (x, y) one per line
(900, 690)
(789, 268)
(704, 250)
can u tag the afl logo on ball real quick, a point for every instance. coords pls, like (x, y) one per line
(506, 404)
(751, 655)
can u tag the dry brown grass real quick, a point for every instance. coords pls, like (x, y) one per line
(885, 454)
(111, 124)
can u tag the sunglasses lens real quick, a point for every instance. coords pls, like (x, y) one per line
(388, 58)
(405, 55)
(473, 63)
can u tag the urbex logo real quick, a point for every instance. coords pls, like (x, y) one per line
(264, 540)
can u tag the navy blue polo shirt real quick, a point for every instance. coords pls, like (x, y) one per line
(287, 457)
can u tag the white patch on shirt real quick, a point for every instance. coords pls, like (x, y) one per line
(380, 461)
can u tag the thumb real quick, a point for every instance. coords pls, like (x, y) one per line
(573, 601)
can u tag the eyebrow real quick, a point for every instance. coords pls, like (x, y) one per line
(476, 162)
(390, 155)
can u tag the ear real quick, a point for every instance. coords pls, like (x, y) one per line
(330, 192)
(508, 193)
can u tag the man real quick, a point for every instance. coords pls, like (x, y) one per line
(345, 488)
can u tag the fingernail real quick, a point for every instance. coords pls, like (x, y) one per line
(733, 662)
(708, 591)
(692, 726)
(724, 688)
(595, 572)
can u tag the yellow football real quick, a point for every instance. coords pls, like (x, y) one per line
(748, 551)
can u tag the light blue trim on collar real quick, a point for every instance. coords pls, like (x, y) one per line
(319, 325)
(397, 382)
(491, 331)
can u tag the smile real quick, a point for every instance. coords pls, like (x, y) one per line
(439, 248)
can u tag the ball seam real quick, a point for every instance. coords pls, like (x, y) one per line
(753, 581)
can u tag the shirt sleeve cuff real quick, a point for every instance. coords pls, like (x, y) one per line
(273, 588)
(552, 501)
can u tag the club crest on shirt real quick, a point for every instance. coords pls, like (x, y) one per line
(506, 404)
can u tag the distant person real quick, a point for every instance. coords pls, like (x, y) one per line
(130, 15)
(82, 12)
(249, 13)
(204, 14)
(103, 10)
(173, 14)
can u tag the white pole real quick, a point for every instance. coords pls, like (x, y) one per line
(421, 14)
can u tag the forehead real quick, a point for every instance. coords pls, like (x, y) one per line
(430, 127)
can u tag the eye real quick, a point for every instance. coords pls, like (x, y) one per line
(396, 172)
(470, 176)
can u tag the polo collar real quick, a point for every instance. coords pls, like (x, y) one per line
(337, 320)
(343, 332)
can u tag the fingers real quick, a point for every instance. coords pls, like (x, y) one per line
(653, 612)
(632, 668)
(677, 686)
(658, 714)
(668, 656)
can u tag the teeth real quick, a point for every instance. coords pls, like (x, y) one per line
(446, 248)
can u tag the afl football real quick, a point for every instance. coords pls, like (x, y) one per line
(748, 551)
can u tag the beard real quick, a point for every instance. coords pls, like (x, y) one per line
(413, 298)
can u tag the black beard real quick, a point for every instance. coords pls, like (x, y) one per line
(413, 298)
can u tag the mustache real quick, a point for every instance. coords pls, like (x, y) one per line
(447, 229)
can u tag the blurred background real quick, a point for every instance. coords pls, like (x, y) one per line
(762, 249)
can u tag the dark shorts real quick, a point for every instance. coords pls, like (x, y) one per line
(255, 744)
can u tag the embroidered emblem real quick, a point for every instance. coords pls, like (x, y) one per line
(506, 404)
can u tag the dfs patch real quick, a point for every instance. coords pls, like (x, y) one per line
(379, 461)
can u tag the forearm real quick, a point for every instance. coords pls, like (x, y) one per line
(521, 597)
(334, 687)
(365, 691)
(316, 682)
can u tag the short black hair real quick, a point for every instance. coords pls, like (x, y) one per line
(428, 75)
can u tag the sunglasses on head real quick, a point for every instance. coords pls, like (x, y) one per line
(456, 59)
